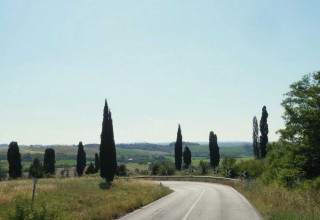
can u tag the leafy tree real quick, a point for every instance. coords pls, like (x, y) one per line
(214, 149)
(49, 161)
(90, 169)
(302, 124)
(96, 163)
(178, 150)
(255, 138)
(264, 130)
(81, 159)
(36, 168)
(186, 157)
(14, 160)
(108, 159)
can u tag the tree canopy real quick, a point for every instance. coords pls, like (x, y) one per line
(178, 150)
(14, 160)
(81, 159)
(108, 159)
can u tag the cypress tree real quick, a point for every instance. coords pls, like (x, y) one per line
(186, 157)
(255, 138)
(96, 163)
(108, 159)
(49, 161)
(14, 160)
(178, 150)
(264, 130)
(214, 149)
(81, 159)
(36, 168)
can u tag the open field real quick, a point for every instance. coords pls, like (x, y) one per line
(80, 198)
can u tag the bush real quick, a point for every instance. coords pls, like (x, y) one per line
(3, 172)
(253, 167)
(121, 170)
(203, 167)
(23, 211)
(228, 166)
(162, 168)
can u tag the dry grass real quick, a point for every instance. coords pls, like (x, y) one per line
(82, 198)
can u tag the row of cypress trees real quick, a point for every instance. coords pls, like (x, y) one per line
(186, 155)
(37, 169)
(260, 144)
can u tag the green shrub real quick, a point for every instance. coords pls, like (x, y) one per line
(23, 211)
(203, 167)
(253, 167)
(162, 168)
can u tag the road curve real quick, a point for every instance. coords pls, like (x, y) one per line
(197, 200)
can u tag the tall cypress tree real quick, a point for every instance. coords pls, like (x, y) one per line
(81, 159)
(264, 130)
(255, 138)
(178, 150)
(14, 160)
(186, 157)
(96, 163)
(108, 159)
(49, 161)
(214, 149)
(36, 168)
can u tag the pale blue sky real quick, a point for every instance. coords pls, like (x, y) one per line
(208, 65)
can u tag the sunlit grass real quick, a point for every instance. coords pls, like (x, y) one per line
(82, 198)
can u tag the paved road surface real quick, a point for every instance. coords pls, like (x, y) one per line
(196, 200)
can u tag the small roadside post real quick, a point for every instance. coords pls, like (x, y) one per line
(35, 182)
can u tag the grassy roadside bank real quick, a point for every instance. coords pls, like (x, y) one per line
(78, 198)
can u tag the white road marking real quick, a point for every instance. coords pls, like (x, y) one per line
(194, 204)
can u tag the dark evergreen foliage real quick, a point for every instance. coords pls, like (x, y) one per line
(90, 169)
(264, 130)
(186, 157)
(122, 170)
(36, 169)
(14, 160)
(49, 161)
(178, 150)
(108, 159)
(255, 138)
(214, 149)
(81, 160)
(96, 163)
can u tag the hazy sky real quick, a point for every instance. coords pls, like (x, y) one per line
(208, 65)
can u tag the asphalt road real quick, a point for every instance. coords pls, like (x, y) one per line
(196, 200)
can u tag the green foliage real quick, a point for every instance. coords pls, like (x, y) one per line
(81, 160)
(254, 168)
(108, 158)
(302, 121)
(178, 150)
(36, 169)
(121, 170)
(228, 164)
(255, 138)
(214, 149)
(203, 167)
(90, 169)
(162, 168)
(186, 157)
(96, 163)
(264, 130)
(49, 161)
(14, 160)
(23, 211)
(3, 172)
